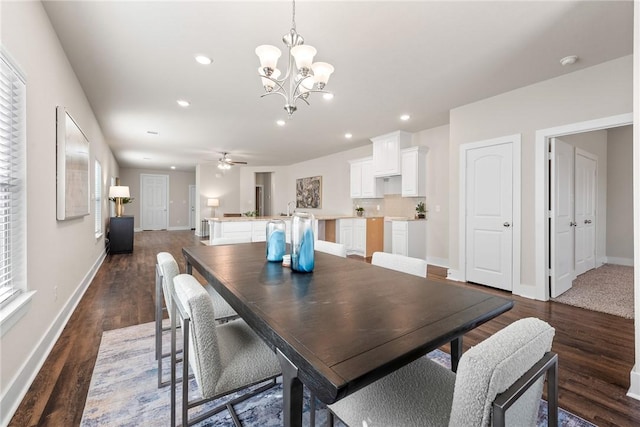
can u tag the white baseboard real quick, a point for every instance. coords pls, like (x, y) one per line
(619, 261)
(455, 275)
(20, 383)
(182, 227)
(440, 262)
(634, 389)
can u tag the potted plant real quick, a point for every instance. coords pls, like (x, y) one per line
(420, 210)
(359, 210)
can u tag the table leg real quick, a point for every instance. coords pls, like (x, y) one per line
(189, 268)
(291, 392)
(456, 352)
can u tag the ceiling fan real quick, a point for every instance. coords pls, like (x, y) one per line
(225, 162)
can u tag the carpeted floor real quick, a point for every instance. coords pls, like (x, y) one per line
(124, 391)
(607, 289)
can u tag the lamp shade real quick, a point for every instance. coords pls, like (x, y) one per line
(119, 191)
(303, 55)
(266, 82)
(268, 56)
(214, 203)
(321, 72)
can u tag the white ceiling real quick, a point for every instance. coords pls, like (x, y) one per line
(135, 59)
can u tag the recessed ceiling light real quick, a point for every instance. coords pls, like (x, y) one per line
(152, 132)
(405, 117)
(280, 122)
(183, 103)
(348, 135)
(328, 96)
(173, 167)
(568, 60)
(204, 60)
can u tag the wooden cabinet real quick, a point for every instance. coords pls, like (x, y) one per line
(409, 238)
(363, 183)
(386, 153)
(121, 235)
(414, 172)
(361, 236)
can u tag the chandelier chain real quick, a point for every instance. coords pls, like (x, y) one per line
(293, 16)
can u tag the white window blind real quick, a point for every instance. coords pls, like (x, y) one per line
(98, 197)
(12, 180)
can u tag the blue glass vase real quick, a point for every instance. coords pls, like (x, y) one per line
(302, 255)
(276, 242)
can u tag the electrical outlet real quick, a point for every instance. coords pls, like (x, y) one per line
(377, 207)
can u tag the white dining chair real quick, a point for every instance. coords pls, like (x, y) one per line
(337, 249)
(166, 270)
(505, 371)
(225, 358)
(405, 264)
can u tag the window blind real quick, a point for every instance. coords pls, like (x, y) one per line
(12, 180)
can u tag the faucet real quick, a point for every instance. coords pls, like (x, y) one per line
(289, 207)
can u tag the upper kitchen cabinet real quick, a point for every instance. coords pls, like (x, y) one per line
(414, 172)
(363, 183)
(386, 153)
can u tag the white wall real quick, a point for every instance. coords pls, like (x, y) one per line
(29, 38)
(600, 91)
(437, 139)
(619, 245)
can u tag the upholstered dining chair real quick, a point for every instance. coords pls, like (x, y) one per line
(166, 270)
(224, 358)
(505, 371)
(405, 264)
(337, 249)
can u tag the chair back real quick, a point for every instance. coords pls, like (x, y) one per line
(168, 269)
(204, 355)
(229, 240)
(405, 264)
(337, 249)
(495, 364)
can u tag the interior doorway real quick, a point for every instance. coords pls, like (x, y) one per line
(263, 193)
(544, 256)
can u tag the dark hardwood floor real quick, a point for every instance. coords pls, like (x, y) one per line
(596, 351)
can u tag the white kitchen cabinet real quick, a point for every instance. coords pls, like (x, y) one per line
(253, 229)
(363, 183)
(409, 238)
(414, 172)
(345, 233)
(359, 237)
(386, 153)
(259, 231)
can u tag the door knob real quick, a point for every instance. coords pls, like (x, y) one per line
(573, 224)
(506, 224)
(587, 221)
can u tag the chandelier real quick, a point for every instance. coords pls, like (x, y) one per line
(303, 75)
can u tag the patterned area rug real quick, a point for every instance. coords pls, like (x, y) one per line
(124, 390)
(607, 289)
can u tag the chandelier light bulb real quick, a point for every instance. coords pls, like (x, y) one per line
(269, 84)
(268, 56)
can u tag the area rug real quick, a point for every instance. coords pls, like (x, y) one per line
(607, 289)
(124, 390)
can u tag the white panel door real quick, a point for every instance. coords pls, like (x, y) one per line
(489, 198)
(154, 201)
(192, 207)
(585, 211)
(562, 217)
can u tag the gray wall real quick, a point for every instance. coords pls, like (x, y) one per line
(619, 245)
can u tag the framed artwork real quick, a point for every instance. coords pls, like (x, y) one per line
(72, 168)
(309, 192)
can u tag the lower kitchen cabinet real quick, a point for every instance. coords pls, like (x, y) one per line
(409, 238)
(361, 236)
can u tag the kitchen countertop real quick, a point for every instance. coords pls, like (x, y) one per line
(317, 217)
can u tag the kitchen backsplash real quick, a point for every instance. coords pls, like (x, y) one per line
(391, 205)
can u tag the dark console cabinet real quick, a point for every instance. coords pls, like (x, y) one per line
(121, 235)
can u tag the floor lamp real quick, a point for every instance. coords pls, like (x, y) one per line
(213, 203)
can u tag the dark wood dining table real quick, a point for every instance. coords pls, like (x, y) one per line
(346, 324)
